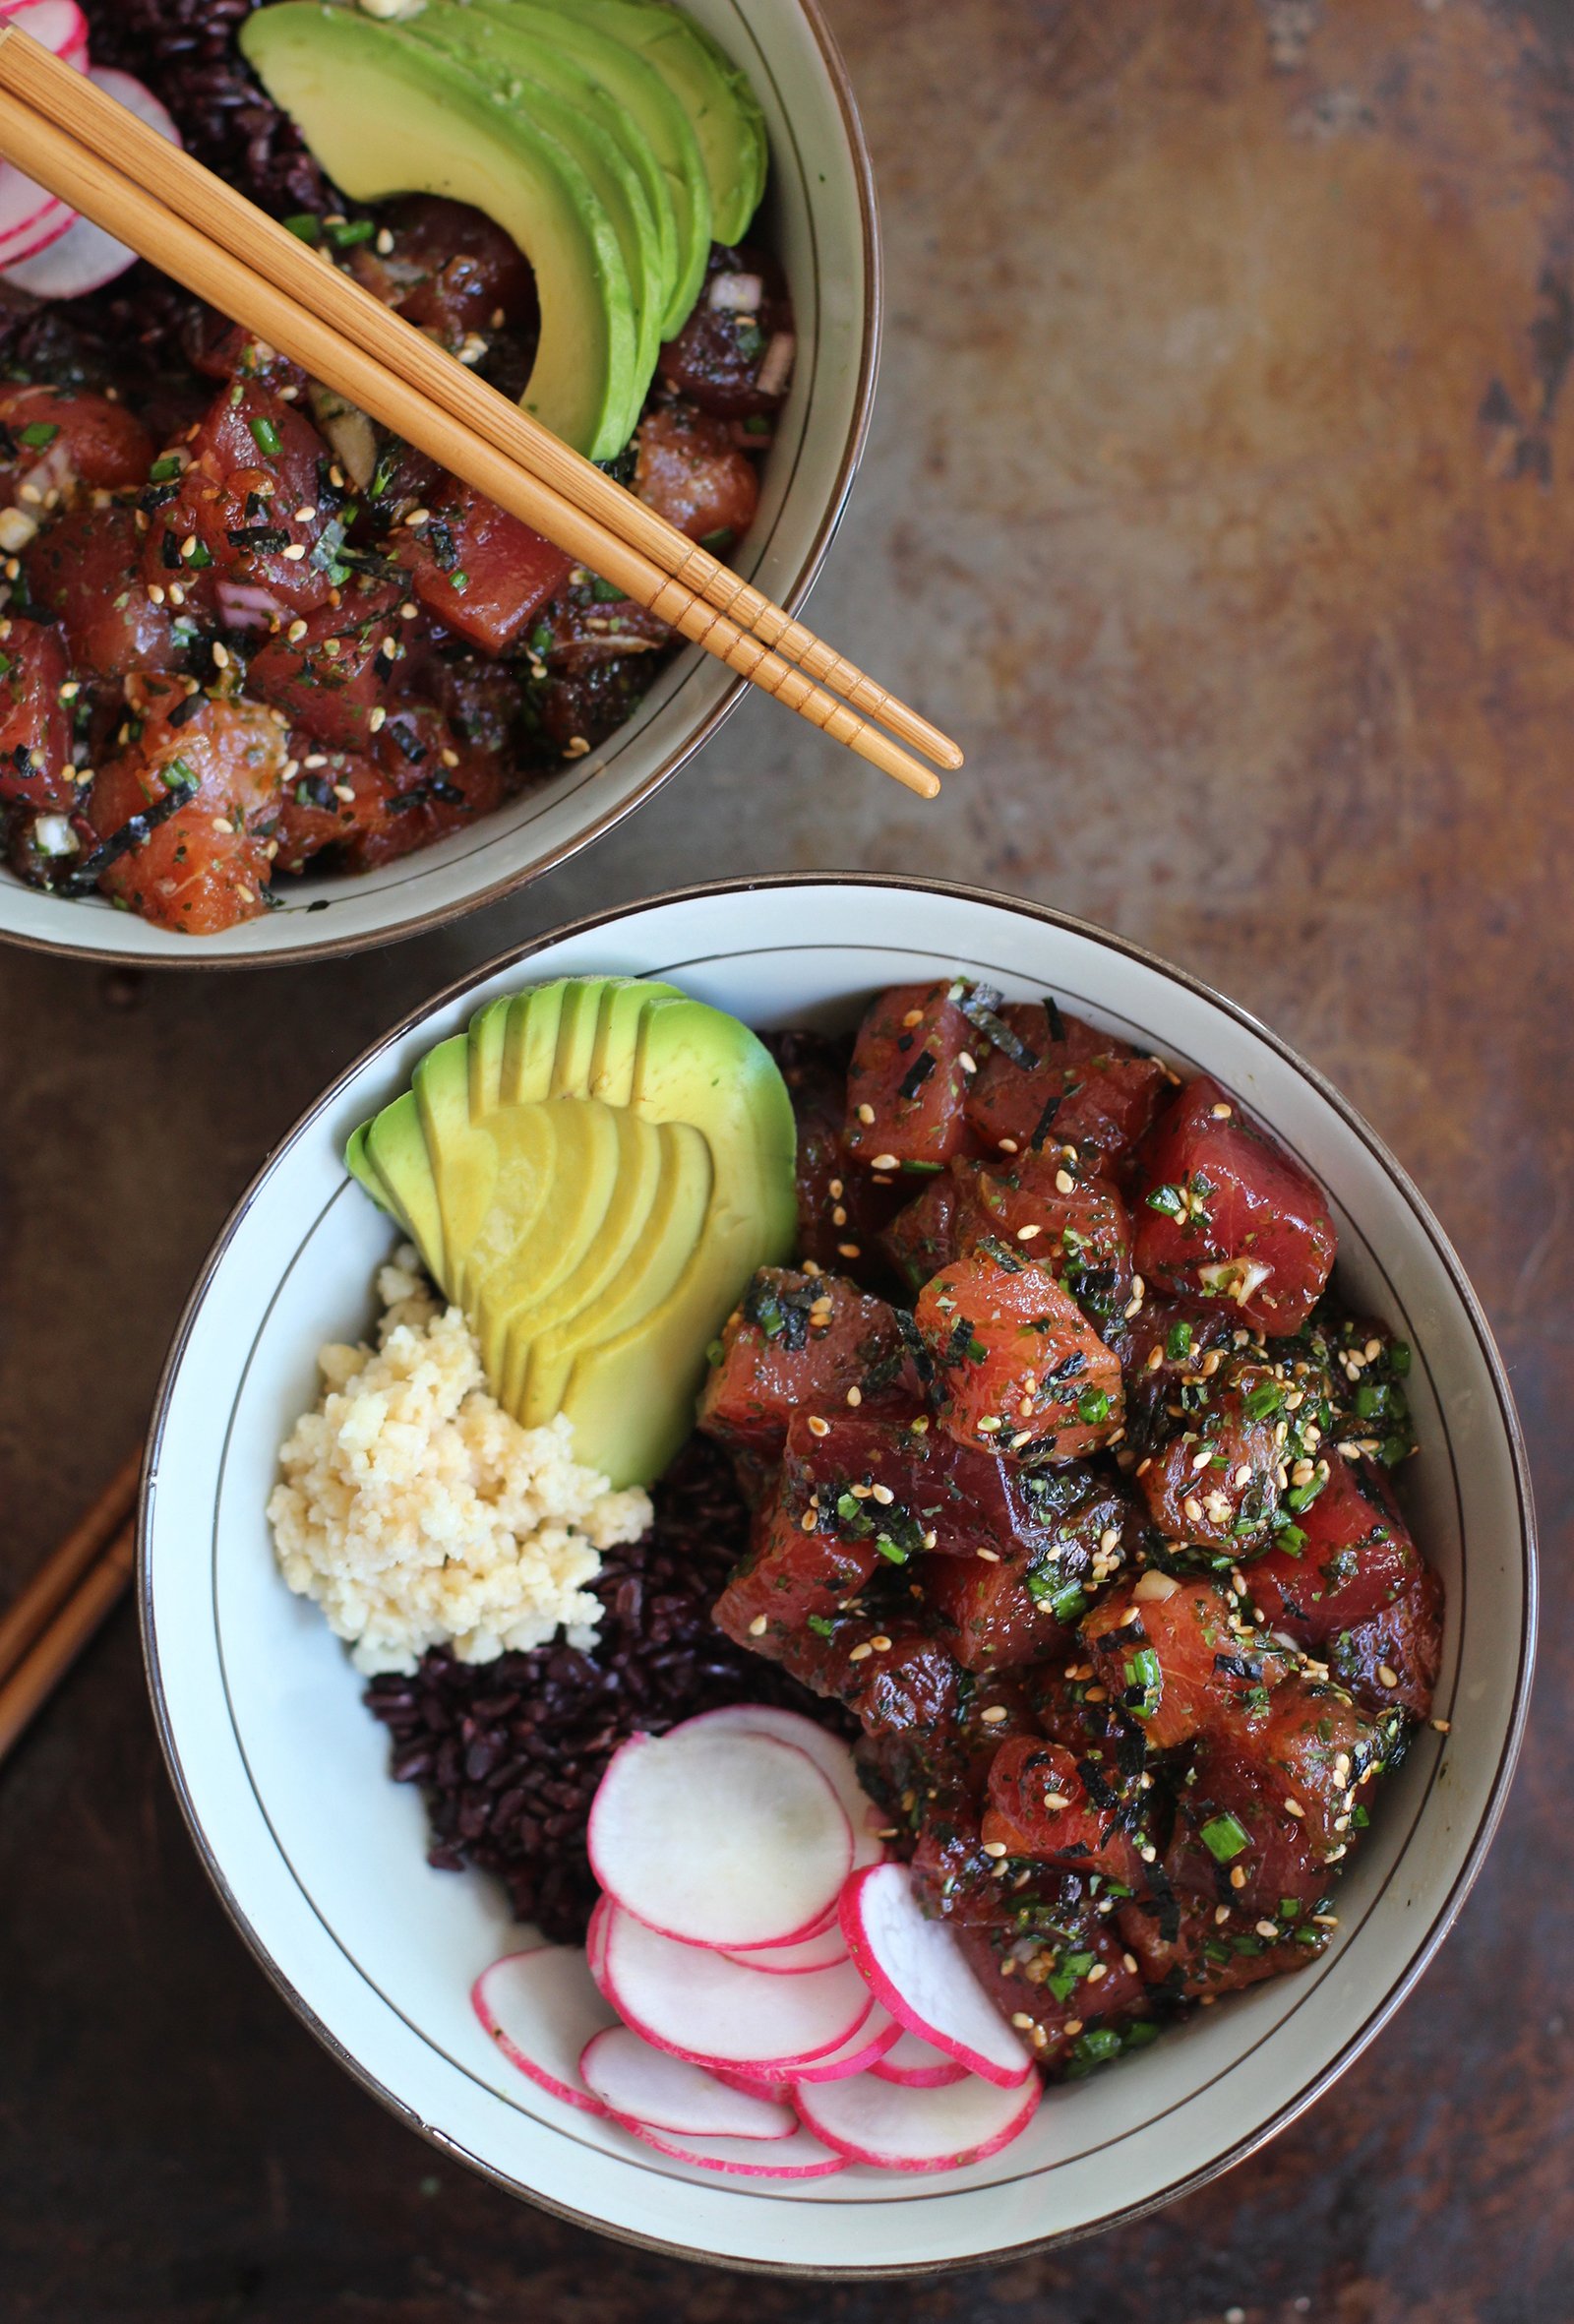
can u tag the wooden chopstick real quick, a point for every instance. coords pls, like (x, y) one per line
(41, 1598)
(57, 1646)
(62, 131)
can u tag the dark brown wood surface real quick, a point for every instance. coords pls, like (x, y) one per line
(1219, 498)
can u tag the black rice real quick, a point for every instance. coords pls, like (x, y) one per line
(508, 1753)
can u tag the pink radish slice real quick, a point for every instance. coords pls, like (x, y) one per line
(660, 2092)
(85, 256)
(821, 1951)
(59, 24)
(756, 2085)
(701, 2007)
(914, 1967)
(798, 2156)
(828, 1752)
(903, 2129)
(915, 2065)
(719, 1839)
(859, 2054)
(541, 2008)
(595, 1935)
(29, 217)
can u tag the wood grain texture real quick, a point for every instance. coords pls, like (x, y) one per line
(1219, 502)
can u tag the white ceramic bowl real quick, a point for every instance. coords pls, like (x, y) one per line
(820, 215)
(320, 1858)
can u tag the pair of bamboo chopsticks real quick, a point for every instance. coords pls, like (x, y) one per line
(65, 132)
(47, 1626)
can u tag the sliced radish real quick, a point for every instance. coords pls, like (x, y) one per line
(81, 257)
(798, 2156)
(595, 1935)
(821, 1951)
(916, 1969)
(858, 2054)
(58, 24)
(701, 2005)
(917, 2065)
(541, 2008)
(719, 1839)
(30, 219)
(828, 1752)
(658, 2091)
(904, 2129)
(756, 2085)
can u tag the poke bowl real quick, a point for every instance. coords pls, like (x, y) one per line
(274, 684)
(1058, 2023)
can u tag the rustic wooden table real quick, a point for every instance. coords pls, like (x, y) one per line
(1216, 497)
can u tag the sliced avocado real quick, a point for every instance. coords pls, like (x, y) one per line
(636, 85)
(559, 1167)
(604, 1256)
(613, 1432)
(526, 79)
(713, 91)
(611, 1161)
(385, 113)
(391, 1155)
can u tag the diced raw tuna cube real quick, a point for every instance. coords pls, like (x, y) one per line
(1015, 1362)
(478, 570)
(331, 670)
(1060, 1084)
(906, 1081)
(248, 499)
(84, 571)
(1043, 1801)
(1223, 1210)
(1173, 1662)
(197, 795)
(1013, 1601)
(57, 441)
(1215, 1482)
(790, 1578)
(842, 1208)
(35, 723)
(1182, 1947)
(1073, 1985)
(804, 1342)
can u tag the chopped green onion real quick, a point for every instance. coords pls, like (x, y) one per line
(1093, 1405)
(1225, 1838)
(821, 1627)
(1170, 1200)
(37, 434)
(165, 471)
(1178, 1343)
(1144, 1678)
(304, 226)
(352, 230)
(267, 437)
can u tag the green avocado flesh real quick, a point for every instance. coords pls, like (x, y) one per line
(383, 114)
(592, 1172)
(610, 138)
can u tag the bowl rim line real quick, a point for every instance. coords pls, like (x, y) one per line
(791, 600)
(1187, 2181)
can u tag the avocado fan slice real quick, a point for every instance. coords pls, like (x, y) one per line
(635, 83)
(525, 78)
(670, 1181)
(385, 113)
(716, 96)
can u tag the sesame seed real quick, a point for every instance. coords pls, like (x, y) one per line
(1201, 1458)
(1442, 1725)
(1265, 1929)
(1097, 1694)
(221, 823)
(220, 656)
(1221, 1112)
(967, 1061)
(1148, 1853)
(1007, 1146)
(993, 1715)
(849, 1251)
(1022, 2020)
(990, 1556)
(1373, 1349)
(315, 759)
(1056, 1800)
(914, 1016)
(1237, 1878)
(1294, 1807)
(995, 1848)
(1073, 2026)
(819, 1427)
(296, 551)
(861, 1653)
(806, 1520)
(882, 1645)
(1326, 1920)
(1221, 1914)
(838, 1216)
(344, 792)
(759, 1627)
(884, 1162)
(1386, 1676)
(155, 593)
(417, 518)
(1064, 1183)
(1155, 1358)
(865, 1115)
(990, 1425)
(855, 1397)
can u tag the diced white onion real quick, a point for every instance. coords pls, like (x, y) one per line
(52, 835)
(735, 294)
(777, 368)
